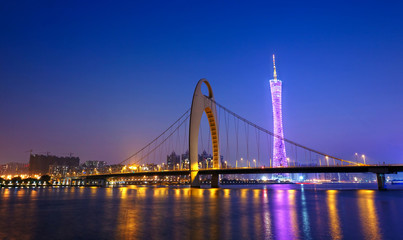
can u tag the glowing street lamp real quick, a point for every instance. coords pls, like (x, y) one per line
(363, 157)
(254, 160)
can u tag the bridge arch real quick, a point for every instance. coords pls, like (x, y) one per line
(200, 104)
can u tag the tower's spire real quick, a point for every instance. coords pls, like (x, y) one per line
(274, 67)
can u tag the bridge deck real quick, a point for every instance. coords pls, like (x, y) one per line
(262, 170)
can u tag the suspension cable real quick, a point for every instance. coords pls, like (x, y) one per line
(277, 136)
(163, 140)
(155, 139)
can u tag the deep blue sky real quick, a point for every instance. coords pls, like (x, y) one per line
(100, 79)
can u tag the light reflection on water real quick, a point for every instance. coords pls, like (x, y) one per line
(368, 214)
(263, 212)
(305, 217)
(334, 220)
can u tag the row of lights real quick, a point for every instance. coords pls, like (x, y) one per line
(254, 160)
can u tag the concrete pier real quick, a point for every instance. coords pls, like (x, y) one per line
(380, 177)
(194, 179)
(215, 180)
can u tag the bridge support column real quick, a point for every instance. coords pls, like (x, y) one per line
(194, 179)
(102, 183)
(380, 177)
(215, 180)
(200, 104)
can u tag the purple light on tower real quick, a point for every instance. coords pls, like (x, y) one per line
(279, 157)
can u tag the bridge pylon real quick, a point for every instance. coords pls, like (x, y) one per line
(200, 104)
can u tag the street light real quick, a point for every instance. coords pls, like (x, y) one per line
(363, 157)
(327, 160)
(254, 160)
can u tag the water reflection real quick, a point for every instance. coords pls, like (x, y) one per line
(214, 217)
(135, 212)
(285, 214)
(15, 215)
(334, 220)
(368, 215)
(266, 216)
(243, 213)
(305, 216)
(226, 208)
(293, 213)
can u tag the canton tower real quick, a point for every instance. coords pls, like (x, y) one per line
(279, 157)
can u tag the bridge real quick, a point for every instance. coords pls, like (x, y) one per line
(186, 135)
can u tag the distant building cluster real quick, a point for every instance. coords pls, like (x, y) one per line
(173, 162)
(62, 166)
(93, 167)
(67, 165)
(13, 168)
(177, 162)
(44, 164)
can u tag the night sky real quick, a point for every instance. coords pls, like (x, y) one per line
(101, 79)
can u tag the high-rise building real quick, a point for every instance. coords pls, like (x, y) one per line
(173, 161)
(93, 164)
(205, 160)
(40, 164)
(185, 160)
(279, 155)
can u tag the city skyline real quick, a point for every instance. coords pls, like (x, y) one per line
(174, 120)
(93, 86)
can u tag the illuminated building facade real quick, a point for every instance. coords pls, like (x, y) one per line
(279, 155)
(173, 161)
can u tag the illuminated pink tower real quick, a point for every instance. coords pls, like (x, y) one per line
(279, 157)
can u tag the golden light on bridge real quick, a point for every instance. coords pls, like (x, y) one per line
(133, 167)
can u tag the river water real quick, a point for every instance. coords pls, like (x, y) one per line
(332, 211)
